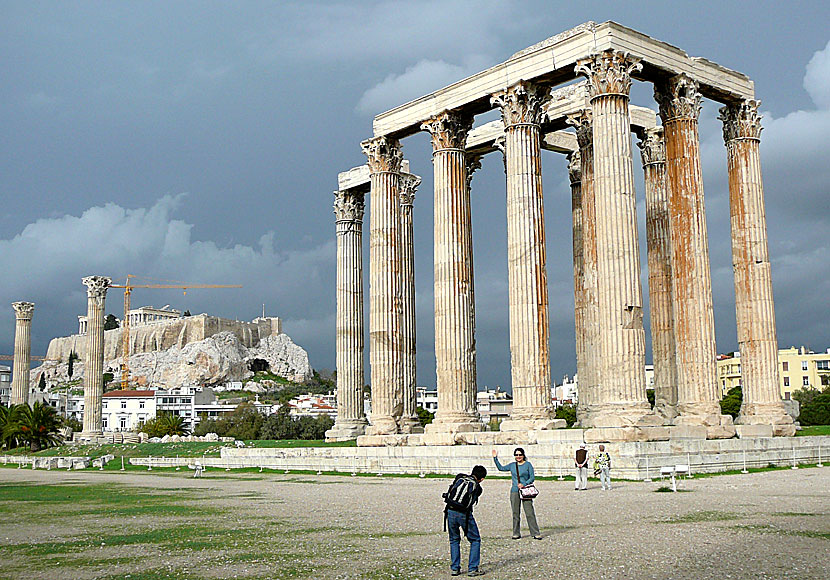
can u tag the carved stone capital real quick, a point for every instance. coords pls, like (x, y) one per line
(499, 144)
(23, 310)
(384, 154)
(409, 184)
(96, 286)
(348, 206)
(652, 146)
(448, 129)
(473, 163)
(523, 103)
(575, 167)
(741, 120)
(583, 123)
(678, 97)
(608, 72)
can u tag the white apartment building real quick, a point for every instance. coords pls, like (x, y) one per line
(125, 410)
(5, 384)
(313, 405)
(426, 399)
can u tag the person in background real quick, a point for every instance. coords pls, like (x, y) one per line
(602, 464)
(521, 472)
(581, 463)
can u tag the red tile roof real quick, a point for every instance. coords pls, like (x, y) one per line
(124, 394)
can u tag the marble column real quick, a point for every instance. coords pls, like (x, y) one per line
(658, 244)
(522, 112)
(694, 321)
(94, 362)
(585, 281)
(385, 304)
(621, 397)
(754, 307)
(351, 419)
(408, 422)
(22, 352)
(455, 344)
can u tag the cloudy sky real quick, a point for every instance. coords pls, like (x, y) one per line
(201, 141)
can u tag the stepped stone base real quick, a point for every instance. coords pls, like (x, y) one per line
(752, 431)
(344, 432)
(532, 424)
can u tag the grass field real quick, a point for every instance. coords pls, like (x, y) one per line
(814, 430)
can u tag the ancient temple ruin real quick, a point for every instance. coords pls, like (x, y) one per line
(591, 122)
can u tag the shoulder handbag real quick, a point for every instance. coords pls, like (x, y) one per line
(528, 492)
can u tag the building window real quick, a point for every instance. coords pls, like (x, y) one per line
(806, 381)
(141, 404)
(804, 365)
(786, 395)
(785, 365)
(823, 365)
(104, 422)
(786, 381)
(105, 404)
(123, 423)
(123, 404)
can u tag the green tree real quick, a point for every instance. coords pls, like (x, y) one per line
(567, 412)
(111, 322)
(164, 424)
(650, 397)
(805, 396)
(73, 356)
(279, 425)
(8, 438)
(36, 425)
(245, 422)
(41, 383)
(424, 416)
(817, 410)
(731, 403)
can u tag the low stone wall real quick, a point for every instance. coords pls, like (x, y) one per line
(632, 460)
(35, 462)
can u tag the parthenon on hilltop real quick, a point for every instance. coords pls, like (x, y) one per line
(568, 94)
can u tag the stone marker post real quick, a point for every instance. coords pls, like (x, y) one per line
(351, 419)
(22, 352)
(455, 343)
(694, 321)
(94, 363)
(521, 111)
(660, 281)
(754, 307)
(621, 396)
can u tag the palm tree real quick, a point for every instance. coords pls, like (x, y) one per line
(7, 428)
(172, 424)
(37, 425)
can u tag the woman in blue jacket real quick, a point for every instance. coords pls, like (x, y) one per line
(521, 471)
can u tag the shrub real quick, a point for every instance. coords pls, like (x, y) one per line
(567, 412)
(817, 410)
(164, 424)
(245, 422)
(731, 403)
(424, 416)
(281, 425)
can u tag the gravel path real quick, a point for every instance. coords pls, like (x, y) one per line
(763, 525)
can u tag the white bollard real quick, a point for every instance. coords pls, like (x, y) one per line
(795, 465)
(647, 479)
(673, 482)
(689, 462)
(150, 463)
(819, 464)
(744, 470)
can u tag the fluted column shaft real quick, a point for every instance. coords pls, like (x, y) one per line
(694, 322)
(586, 303)
(660, 281)
(521, 108)
(455, 345)
(94, 361)
(351, 419)
(22, 352)
(621, 397)
(385, 306)
(754, 307)
(409, 419)
(575, 175)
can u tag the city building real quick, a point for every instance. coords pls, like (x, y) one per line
(183, 402)
(798, 368)
(126, 410)
(313, 405)
(493, 405)
(5, 384)
(426, 398)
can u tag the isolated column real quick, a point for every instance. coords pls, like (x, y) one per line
(585, 282)
(455, 344)
(621, 396)
(22, 352)
(408, 422)
(521, 110)
(96, 292)
(694, 321)
(653, 151)
(351, 419)
(754, 307)
(385, 303)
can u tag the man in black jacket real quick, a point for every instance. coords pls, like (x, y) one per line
(458, 520)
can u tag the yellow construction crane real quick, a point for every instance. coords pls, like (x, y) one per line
(125, 324)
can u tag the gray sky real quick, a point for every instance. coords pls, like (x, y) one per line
(201, 141)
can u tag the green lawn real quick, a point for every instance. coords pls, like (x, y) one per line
(814, 430)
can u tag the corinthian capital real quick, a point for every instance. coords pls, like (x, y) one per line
(409, 184)
(384, 154)
(652, 146)
(741, 120)
(96, 286)
(575, 167)
(583, 123)
(523, 103)
(608, 72)
(348, 206)
(473, 164)
(448, 129)
(23, 310)
(678, 97)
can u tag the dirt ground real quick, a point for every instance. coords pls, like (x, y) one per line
(762, 525)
